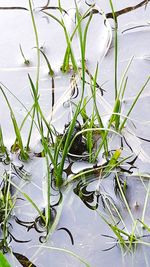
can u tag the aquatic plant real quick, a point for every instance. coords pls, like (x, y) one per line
(85, 137)
(18, 145)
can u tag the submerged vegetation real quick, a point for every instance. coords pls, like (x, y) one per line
(100, 146)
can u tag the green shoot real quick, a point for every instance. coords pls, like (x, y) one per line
(100, 123)
(51, 72)
(37, 73)
(26, 61)
(29, 199)
(113, 161)
(61, 22)
(60, 166)
(18, 143)
(65, 65)
(116, 48)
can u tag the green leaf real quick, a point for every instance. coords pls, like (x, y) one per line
(3, 261)
(113, 160)
(116, 117)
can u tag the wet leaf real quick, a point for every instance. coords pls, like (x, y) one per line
(13, 8)
(113, 160)
(127, 9)
(51, 72)
(24, 261)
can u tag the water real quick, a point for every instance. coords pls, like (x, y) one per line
(76, 213)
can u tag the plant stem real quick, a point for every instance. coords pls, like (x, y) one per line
(116, 48)
(133, 104)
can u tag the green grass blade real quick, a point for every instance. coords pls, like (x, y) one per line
(67, 252)
(123, 78)
(26, 61)
(133, 104)
(29, 199)
(116, 48)
(3, 261)
(67, 53)
(2, 146)
(24, 155)
(113, 161)
(97, 112)
(35, 110)
(65, 66)
(51, 72)
(115, 115)
(85, 33)
(37, 44)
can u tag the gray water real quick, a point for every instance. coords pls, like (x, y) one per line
(86, 225)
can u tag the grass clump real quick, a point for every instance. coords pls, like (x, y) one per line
(84, 135)
(18, 145)
(6, 206)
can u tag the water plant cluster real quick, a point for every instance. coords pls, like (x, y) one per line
(86, 138)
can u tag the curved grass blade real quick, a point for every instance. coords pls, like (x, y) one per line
(133, 104)
(51, 72)
(26, 61)
(29, 200)
(68, 252)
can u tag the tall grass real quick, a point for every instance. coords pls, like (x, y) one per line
(56, 150)
(37, 74)
(65, 67)
(60, 166)
(116, 47)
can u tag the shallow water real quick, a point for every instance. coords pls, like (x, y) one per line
(85, 225)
